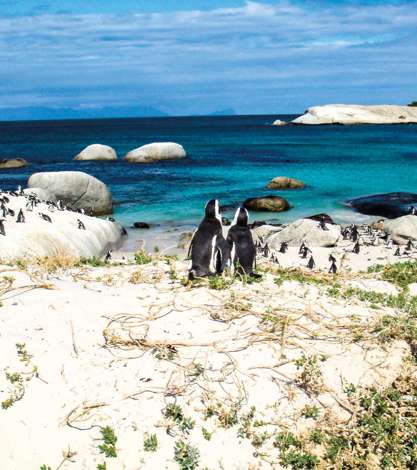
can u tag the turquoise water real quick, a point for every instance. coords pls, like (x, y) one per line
(229, 158)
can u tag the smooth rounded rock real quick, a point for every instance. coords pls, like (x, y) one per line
(402, 229)
(76, 189)
(278, 122)
(155, 152)
(267, 204)
(13, 163)
(283, 182)
(142, 225)
(389, 205)
(97, 152)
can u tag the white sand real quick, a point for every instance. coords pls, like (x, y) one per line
(94, 336)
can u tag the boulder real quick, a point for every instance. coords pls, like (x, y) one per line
(283, 182)
(390, 205)
(267, 203)
(278, 122)
(38, 238)
(75, 189)
(12, 163)
(402, 229)
(306, 230)
(357, 114)
(155, 152)
(141, 225)
(97, 152)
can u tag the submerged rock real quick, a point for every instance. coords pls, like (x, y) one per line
(402, 229)
(358, 114)
(12, 163)
(390, 205)
(155, 152)
(283, 182)
(267, 203)
(141, 225)
(97, 152)
(75, 189)
(322, 216)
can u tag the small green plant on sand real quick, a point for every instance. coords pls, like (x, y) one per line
(141, 257)
(102, 466)
(108, 447)
(186, 456)
(219, 282)
(150, 443)
(94, 262)
(175, 413)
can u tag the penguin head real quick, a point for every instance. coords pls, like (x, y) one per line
(212, 209)
(241, 217)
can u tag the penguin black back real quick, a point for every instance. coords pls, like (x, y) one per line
(241, 242)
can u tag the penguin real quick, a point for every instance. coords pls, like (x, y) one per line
(284, 247)
(45, 217)
(413, 210)
(397, 252)
(311, 263)
(108, 256)
(266, 250)
(81, 226)
(356, 248)
(332, 259)
(2, 229)
(11, 212)
(409, 245)
(333, 268)
(305, 252)
(301, 249)
(242, 248)
(322, 224)
(209, 251)
(20, 217)
(111, 219)
(390, 243)
(354, 233)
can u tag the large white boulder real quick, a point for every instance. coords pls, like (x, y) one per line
(155, 152)
(37, 237)
(97, 152)
(358, 114)
(301, 230)
(75, 189)
(402, 228)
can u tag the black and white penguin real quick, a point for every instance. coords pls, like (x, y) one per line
(45, 217)
(11, 212)
(20, 217)
(356, 248)
(81, 226)
(311, 263)
(301, 249)
(397, 252)
(2, 229)
(332, 259)
(209, 251)
(108, 256)
(305, 251)
(284, 247)
(242, 248)
(322, 224)
(333, 267)
(409, 245)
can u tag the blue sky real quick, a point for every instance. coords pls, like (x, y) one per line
(196, 57)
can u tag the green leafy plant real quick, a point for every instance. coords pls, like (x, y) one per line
(141, 257)
(108, 447)
(175, 413)
(150, 443)
(186, 456)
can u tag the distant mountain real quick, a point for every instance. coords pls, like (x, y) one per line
(224, 112)
(43, 112)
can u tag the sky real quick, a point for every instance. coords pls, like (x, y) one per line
(198, 57)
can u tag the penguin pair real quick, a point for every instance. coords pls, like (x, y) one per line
(211, 253)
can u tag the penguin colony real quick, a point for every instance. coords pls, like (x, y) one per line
(32, 203)
(211, 253)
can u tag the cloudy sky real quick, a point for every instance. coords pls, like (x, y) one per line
(196, 57)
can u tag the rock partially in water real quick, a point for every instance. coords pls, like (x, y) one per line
(390, 205)
(97, 152)
(278, 122)
(267, 204)
(283, 182)
(156, 151)
(322, 217)
(76, 189)
(402, 229)
(141, 225)
(13, 163)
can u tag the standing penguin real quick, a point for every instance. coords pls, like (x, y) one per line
(356, 248)
(284, 247)
(2, 230)
(209, 251)
(311, 263)
(20, 217)
(243, 251)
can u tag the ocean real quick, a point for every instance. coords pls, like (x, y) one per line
(230, 158)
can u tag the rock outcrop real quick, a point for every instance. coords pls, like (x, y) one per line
(358, 114)
(402, 229)
(97, 152)
(155, 152)
(62, 236)
(267, 203)
(76, 189)
(283, 182)
(306, 230)
(389, 205)
(278, 122)
(12, 163)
